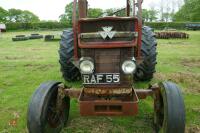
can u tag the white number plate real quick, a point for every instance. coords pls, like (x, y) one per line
(101, 78)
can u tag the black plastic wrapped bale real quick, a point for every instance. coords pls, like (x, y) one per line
(49, 38)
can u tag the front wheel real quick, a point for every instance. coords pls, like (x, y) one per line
(43, 117)
(169, 114)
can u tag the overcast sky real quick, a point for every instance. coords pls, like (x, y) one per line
(52, 9)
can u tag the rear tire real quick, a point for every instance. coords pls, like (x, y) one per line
(69, 71)
(169, 115)
(146, 69)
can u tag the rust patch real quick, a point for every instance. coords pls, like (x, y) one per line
(191, 62)
(191, 81)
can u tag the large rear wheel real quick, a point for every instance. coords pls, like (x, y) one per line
(146, 69)
(169, 114)
(69, 71)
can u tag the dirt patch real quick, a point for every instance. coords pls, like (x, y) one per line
(109, 125)
(197, 110)
(176, 43)
(191, 62)
(15, 58)
(39, 66)
(93, 125)
(13, 122)
(37, 49)
(9, 66)
(192, 129)
(192, 81)
(31, 49)
(1, 90)
(22, 58)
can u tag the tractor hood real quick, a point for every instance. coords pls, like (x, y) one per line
(107, 32)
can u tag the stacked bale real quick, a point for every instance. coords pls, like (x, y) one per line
(49, 37)
(171, 35)
(35, 36)
(20, 38)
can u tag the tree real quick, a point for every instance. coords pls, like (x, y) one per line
(14, 15)
(27, 17)
(120, 12)
(166, 16)
(17, 15)
(67, 16)
(190, 11)
(149, 15)
(145, 15)
(94, 12)
(3, 15)
(152, 15)
(63, 18)
(161, 10)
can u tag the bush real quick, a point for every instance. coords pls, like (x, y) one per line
(163, 25)
(36, 26)
(58, 25)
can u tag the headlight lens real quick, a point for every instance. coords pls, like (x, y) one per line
(129, 67)
(86, 67)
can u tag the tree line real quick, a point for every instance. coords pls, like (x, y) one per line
(189, 11)
(149, 15)
(18, 16)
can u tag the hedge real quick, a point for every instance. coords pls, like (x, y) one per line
(173, 25)
(35, 26)
(57, 25)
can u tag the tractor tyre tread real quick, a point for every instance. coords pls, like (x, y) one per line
(146, 69)
(69, 71)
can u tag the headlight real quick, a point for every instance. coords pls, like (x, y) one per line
(129, 67)
(86, 67)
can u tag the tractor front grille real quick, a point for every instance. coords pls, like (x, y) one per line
(110, 61)
(118, 25)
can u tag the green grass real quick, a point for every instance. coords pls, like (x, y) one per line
(24, 65)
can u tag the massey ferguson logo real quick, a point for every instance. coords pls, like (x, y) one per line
(107, 32)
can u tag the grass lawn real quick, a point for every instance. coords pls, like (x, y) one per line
(24, 65)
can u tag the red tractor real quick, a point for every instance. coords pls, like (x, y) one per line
(108, 54)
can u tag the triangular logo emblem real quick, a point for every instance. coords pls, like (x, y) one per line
(107, 32)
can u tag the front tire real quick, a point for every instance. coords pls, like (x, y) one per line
(169, 114)
(42, 114)
(146, 69)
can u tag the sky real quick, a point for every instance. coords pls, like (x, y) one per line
(52, 9)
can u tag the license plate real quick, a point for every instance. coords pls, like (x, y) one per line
(101, 78)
